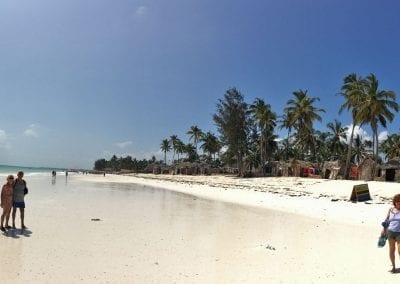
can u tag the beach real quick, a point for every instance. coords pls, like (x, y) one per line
(197, 229)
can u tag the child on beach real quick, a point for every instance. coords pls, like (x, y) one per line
(393, 230)
(6, 202)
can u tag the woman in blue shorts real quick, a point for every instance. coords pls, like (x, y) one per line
(18, 199)
(393, 230)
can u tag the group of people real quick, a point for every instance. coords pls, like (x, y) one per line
(12, 198)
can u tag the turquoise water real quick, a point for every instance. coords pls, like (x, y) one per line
(4, 169)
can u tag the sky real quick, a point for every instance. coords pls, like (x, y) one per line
(81, 80)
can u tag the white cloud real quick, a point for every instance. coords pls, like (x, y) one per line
(383, 136)
(140, 12)
(357, 131)
(32, 131)
(123, 145)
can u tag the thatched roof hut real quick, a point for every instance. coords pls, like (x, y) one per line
(390, 171)
(367, 169)
(187, 168)
(330, 169)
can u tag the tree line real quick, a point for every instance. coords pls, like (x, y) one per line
(246, 136)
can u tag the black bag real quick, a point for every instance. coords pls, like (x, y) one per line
(25, 190)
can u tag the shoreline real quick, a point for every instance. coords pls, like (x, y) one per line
(316, 198)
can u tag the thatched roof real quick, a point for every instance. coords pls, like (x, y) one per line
(391, 164)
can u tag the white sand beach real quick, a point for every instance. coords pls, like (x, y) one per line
(142, 229)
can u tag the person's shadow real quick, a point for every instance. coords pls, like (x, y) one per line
(397, 270)
(17, 233)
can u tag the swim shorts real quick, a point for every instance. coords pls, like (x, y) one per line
(19, 204)
(393, 235)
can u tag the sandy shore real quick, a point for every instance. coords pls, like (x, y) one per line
(265, 230)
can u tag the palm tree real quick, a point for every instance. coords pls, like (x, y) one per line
(174, 142)
(301, 114)
(190, 150)
(165, 147)
(391, 147)
(375, 108)
(286, 122)
(266, 122)
(210, 144)
(353, 92)
(195, 134)
(360, 151)
(337, 135)
(180, 148)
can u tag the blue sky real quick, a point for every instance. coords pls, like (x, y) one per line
(85, 79)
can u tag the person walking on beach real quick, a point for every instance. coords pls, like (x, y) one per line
(19, 192)
(6, 202)
(393, 229)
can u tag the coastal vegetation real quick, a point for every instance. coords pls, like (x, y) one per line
(247, 139)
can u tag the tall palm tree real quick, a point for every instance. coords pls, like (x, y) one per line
(360, 149)
(210, 144)
(190, 151)
(353, 93)
(266, 122)
(174, 143)
(375, 108)
(195, 134)
(180, 148)
(165, 147)
(302, 113)
(337, 136)
(286, 122)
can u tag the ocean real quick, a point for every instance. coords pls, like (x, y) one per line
(5, 169)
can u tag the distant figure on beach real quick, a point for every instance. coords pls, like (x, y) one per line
(53, 173)
(6, 202)
(66, 173)
(19, 192)
(392, 229)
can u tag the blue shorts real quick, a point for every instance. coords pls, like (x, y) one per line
(19, 204)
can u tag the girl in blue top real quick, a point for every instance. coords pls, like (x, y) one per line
(393, 230)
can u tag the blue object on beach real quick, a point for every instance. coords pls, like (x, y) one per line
(385, 224)
(382, 241)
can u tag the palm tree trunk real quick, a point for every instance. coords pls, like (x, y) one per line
(349, 149)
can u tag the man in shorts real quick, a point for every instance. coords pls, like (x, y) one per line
(18, 199)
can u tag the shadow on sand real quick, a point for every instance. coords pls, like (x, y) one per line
(17, 233)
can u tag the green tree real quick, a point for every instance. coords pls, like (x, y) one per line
(191, 153)
(165, 147)
(180, 148)
(210, 144)
(391, 147)
(353, 93)
(174, 144)
(265, 120)
(195, 134)
(232, 121)
(100, 164)
(360, 149)
(375, 109)
(301, 114)
(337, 135)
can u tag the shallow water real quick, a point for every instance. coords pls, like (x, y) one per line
(110, 232)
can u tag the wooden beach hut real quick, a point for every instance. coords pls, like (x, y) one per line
(367, 169)
(390, 171)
